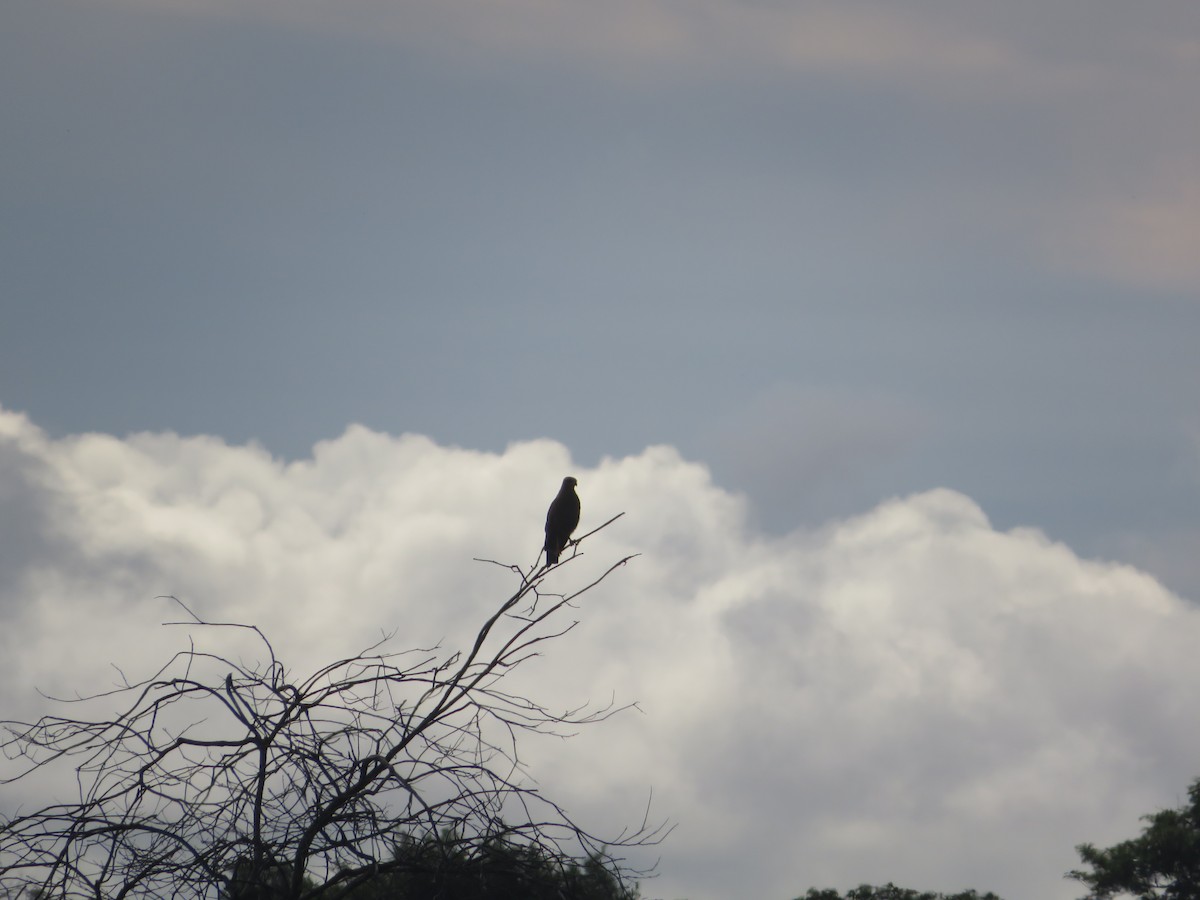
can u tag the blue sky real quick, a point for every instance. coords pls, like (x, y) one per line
(910, 235)
(836, 253)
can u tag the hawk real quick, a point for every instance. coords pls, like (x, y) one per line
(561, 519)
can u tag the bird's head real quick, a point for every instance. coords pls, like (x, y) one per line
(569, 481)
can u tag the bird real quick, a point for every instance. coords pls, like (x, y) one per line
(561, 519)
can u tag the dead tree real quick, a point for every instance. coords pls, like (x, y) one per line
(216, 778)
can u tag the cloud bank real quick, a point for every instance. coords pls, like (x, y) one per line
(908, 694)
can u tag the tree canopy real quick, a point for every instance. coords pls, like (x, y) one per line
(447, 866)
(1161, 864)
(889, 891)
(388, 774)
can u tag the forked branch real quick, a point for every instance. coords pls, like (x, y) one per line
(220, 778)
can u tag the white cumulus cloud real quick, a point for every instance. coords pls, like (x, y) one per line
(906, 695)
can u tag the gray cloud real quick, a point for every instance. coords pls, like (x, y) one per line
(808, 453)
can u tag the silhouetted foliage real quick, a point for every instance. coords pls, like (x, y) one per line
(445, 866)
(1164, 862)
(221, 778)
(889, 891)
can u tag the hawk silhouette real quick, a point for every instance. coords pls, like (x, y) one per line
(561, 519)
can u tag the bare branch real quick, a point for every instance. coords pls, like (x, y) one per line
(216, 777)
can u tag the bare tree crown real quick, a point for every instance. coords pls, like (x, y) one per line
(222, 778)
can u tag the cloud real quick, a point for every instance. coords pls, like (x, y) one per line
(1144, 235)
(803, 449)
(907, 694)
(865, 38)
(1067, 140)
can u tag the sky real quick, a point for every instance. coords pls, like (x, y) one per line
(878, 321)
